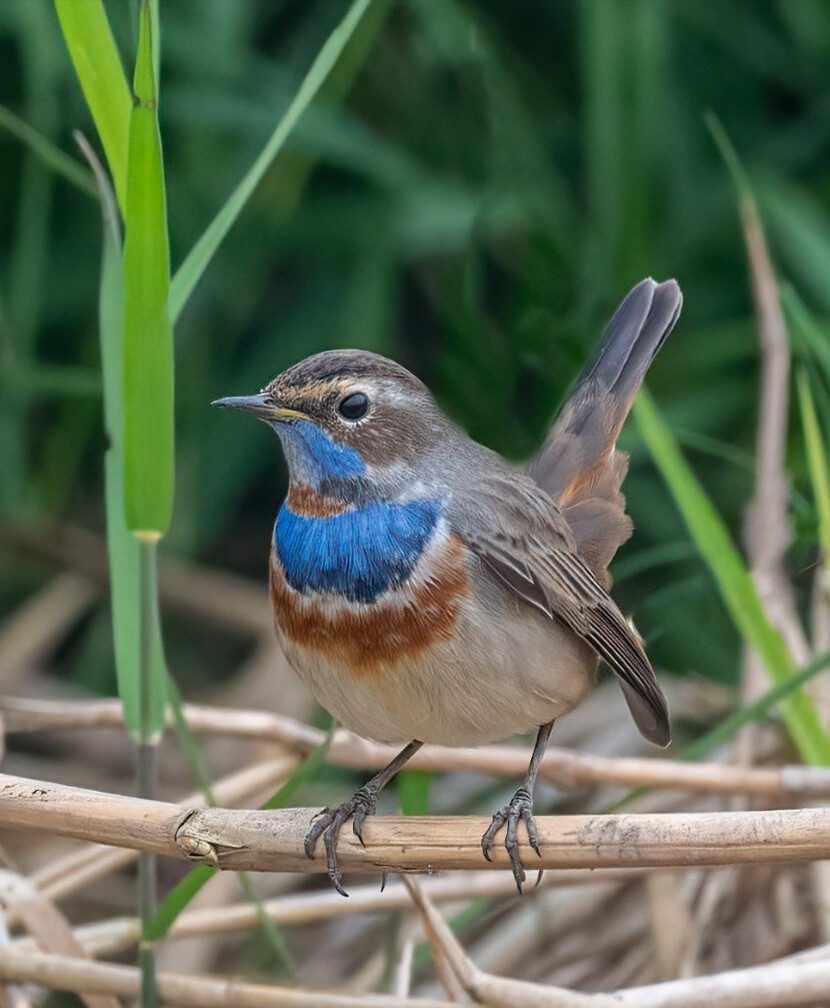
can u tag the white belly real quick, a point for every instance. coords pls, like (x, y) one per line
(491, 680)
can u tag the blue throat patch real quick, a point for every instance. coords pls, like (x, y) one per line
(313, 457)
(358, 554)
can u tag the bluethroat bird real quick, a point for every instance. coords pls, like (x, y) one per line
(425, 590)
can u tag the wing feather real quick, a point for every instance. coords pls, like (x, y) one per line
(521, 536)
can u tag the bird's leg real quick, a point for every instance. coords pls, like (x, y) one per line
(518, 809)
(363, 803)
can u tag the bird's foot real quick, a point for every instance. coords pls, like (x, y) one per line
(518, 809)
(329, 823)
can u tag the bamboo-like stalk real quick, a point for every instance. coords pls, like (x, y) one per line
(273, 840)
(564, 767)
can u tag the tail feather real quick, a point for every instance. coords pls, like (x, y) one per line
(578, 465)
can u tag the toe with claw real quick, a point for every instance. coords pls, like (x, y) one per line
(518, 809)
(329, 823)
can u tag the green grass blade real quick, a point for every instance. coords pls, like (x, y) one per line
(94, 55)
(148, 338)
(197, 260)
(732, 577)
(723, 732)
(177, 899)
(187, 741)
(811, 338)
(122, 547)
(816, 460)
(269, 926)
(51, 155)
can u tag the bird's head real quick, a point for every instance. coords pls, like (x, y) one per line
(348, 418)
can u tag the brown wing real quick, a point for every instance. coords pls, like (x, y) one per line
(521, 536)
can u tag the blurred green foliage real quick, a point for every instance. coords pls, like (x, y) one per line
(474, 202)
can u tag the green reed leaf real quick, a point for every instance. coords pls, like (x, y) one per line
(148, 338)
(816, 460)
(724, 731)
(734, 581)
(94, 55)
(360, 18)
(51, 155)
(177, 899)
(122, 547)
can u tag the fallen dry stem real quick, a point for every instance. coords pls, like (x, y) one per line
(65, 973)
(273, 840)
(114, 935)
(563, 767)
(785, 983)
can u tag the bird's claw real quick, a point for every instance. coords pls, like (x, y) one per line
(518, 809)
(328, 825)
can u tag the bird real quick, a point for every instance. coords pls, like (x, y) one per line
(425, 590)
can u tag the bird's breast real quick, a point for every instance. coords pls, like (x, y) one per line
(369, 585)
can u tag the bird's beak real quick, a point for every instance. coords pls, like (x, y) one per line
(261, 405)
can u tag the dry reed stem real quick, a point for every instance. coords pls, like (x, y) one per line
(46, 924)
(10, 997)
(483, 987)
(563, 767)
(115, 935)
(67, 875)
(64, 973)
(403, 970)
(451, 962)
(768, 530)
(273, 840)
(797, 981)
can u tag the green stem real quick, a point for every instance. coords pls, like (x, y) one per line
(146, 761)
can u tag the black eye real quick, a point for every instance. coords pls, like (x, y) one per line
(354, 406)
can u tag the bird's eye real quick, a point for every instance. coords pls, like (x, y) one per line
(354, 406)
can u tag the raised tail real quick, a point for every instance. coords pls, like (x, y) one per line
(577, 465)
